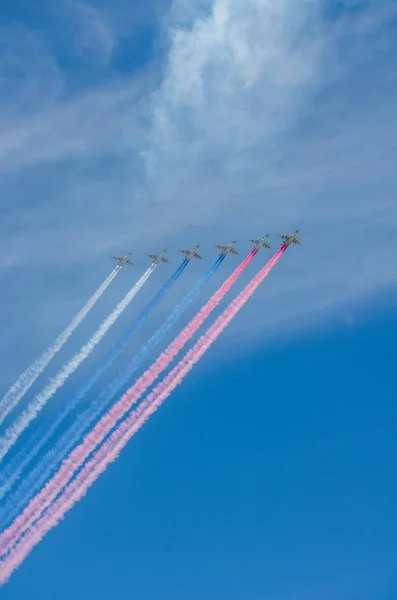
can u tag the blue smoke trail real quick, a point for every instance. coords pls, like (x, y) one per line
(37, 478)
(32, 447)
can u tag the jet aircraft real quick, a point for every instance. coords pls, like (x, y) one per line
(192, 253)
(123, 260)
(263, 242)
(291, 238)
(158, 258)
(227, 248)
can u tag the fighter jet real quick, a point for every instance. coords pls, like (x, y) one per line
(192, 253)
(291, 238)
(227, 248)
(123, 260)
(158, 258)
(263, 242)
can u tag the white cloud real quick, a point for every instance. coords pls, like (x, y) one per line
(271, 114)
(266, 116)
(235, 75)
(94, 124)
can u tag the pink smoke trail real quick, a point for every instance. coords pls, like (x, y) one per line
(111, 449)
(76, 458)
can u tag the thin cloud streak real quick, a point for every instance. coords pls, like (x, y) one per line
(253, 107)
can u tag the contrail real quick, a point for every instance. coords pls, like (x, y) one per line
(38, 476)
(29, 376)
(39, 401)
(67, 470)
(112, 447)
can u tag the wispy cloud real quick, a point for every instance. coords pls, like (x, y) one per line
(94, 35)
(273, 113)
(256, 116)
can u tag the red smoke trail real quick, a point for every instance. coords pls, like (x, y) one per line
(111, 449)
(77, 457)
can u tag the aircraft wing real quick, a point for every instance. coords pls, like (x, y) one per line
(157, 258)
(226, 249)
(292, 238)
(191, 254)
(262, 243)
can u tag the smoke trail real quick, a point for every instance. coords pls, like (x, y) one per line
(14, 431)
(110, 450)
(38, 476)
(118, 411)
(29, 376)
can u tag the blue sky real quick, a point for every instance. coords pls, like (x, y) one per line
(267, 476)
(165, 123)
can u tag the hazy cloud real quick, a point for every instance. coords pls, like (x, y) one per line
(257, 116)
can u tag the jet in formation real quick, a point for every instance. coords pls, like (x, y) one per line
(227, 248)
(291, 238)
(189, 254)
(158, 258)
(192, 253)
(124, 260)
(263, 242)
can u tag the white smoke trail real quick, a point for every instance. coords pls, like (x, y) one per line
(39, 401)
(29, 376)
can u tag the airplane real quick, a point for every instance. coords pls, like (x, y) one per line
(262, 242)
(123, 260)
(291, 238)
(227, 248)
(158, 258)
(192, 253)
